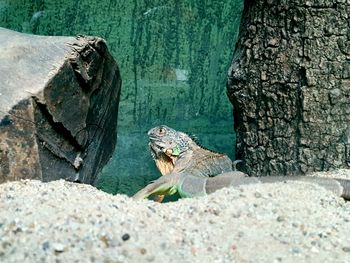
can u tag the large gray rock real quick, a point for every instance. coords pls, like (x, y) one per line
(58, 107)
(290, 86)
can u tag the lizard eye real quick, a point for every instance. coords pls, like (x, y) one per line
(161, 131)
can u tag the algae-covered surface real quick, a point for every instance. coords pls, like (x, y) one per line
(174, 56)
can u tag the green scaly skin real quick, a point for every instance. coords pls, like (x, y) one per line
(197, 171)
(188, 160)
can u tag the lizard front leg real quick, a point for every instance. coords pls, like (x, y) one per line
(165, 185)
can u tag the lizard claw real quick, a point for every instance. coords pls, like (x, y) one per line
(162, 185)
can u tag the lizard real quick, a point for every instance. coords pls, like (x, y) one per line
(192, 170)
(168, 145)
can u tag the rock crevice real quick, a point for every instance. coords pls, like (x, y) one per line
(59, 104)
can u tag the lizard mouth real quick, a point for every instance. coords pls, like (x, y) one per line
(157, 145)
(164, 162)
(158, 149)
(155, 148)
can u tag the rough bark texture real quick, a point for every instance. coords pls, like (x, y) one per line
(58, 107)
(290, 85)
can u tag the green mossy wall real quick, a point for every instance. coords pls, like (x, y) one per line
(174, 56)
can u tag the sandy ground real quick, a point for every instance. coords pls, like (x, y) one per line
(65, 222)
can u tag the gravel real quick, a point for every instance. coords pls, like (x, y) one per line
(65, 222)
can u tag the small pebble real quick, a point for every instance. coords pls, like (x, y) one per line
(150, 258)
(236, 215)
(296, 250)
(281, 218)
(152, 209)
(125, 237)
(240, 234)
(257, 195)
(58, 247)
(295, 224)
(346, 249)
(46, 245)
(314, 250)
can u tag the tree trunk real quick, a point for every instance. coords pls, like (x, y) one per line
(289, 83)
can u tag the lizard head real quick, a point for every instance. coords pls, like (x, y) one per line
(166, 146)
(165, 140)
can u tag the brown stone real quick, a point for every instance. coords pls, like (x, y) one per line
(58, 107)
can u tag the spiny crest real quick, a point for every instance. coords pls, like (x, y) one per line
(194, 138)
(197, 141)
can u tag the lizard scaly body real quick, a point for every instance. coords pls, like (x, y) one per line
(193, 171)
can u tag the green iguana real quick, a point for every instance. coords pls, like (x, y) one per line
(194, 171)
